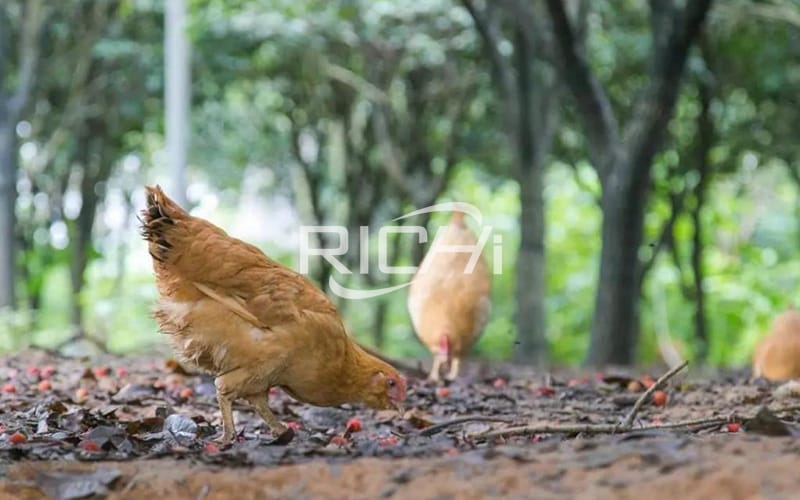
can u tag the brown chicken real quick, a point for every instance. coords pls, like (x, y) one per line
(253, 323)
(448, 306)
(777, 355)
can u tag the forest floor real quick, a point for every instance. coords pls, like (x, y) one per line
(138, 428)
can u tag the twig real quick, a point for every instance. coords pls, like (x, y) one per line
(598, 428)
(653, 388)
(435, 429)
(128, 487)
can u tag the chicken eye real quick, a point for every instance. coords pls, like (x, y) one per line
(391, 382)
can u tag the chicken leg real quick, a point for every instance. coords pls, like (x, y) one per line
(436, 368)
(261, 406)
(226, 409)
(455, 365)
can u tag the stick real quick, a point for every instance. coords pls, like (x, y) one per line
(653, 388)
(598, 428)
(435, 429)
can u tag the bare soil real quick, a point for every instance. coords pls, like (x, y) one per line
(140, 428)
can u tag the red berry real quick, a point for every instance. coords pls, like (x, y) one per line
(48, 371)
(211, 448)
(647, 381)
(354, 425)
(33, 371)
(122, 372)
(81, 393)
(102, 371)
(388, 441)
(186, 393)
(17, 438)
(499, 382)
(338, 441)
(443, 392)
(45, 385)
(9, 388)
(294, 425)
(660, 398)
(546, 391)
(89, 446)
(734, 427)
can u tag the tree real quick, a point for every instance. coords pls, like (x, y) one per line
(17, 80)
(623, 160)
(528, 89)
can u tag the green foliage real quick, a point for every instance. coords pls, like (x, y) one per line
(270, 72)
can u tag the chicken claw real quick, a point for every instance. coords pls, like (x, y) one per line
(282, 432)
(284, 438)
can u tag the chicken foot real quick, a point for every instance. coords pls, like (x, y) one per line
(282, 433)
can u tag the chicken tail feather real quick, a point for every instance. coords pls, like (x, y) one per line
(158, 220)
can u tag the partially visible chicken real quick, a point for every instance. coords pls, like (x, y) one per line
(448, 306)
(253, 323)
(777, 355)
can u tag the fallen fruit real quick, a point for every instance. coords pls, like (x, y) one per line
(635, 386)
(647, 381)
(89, 446)
(353, 425)
(338, 441)
(101, 371)
(545, 391)
(388, 441)
(499, 382)
(122, 372)
(660, 398)
(734, 427)
(45, 385)
(81, 393)
(443, 392)
(211, 448)
(33, 371)
(186, 393)
(9, 388)
(294, 425)
(48, 371)
(17, 438)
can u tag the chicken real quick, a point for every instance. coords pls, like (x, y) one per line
(448, 306)
(777, 355)
(253, 323)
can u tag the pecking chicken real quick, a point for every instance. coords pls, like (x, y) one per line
(777, 355)
(253, 323)
(448, 306)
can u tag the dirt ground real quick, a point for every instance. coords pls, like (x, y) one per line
(139, 428)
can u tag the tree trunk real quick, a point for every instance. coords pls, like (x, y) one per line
(615, 327)
(530, 280)
(8, 197)
(530, 277)
(705, 138)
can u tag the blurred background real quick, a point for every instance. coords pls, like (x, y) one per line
(639, 159)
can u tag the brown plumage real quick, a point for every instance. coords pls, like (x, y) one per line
(448, 306)
(253, 323)
(777, 355)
